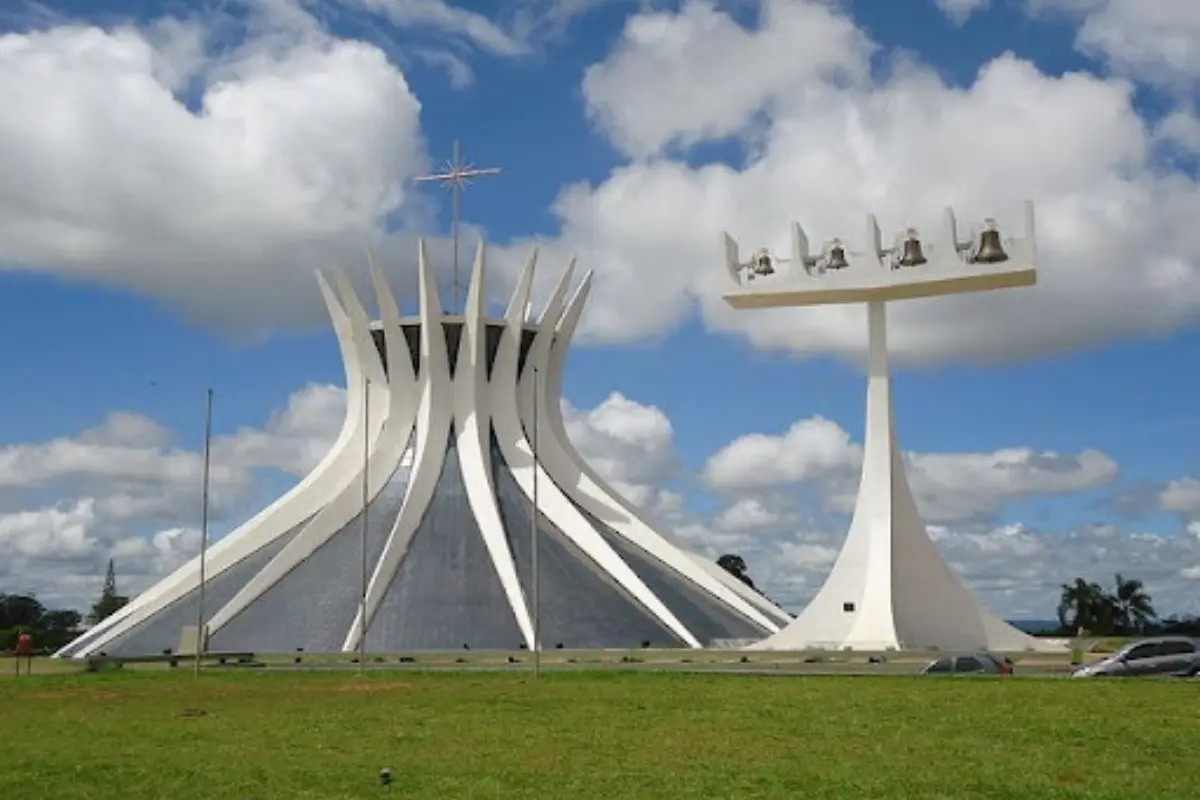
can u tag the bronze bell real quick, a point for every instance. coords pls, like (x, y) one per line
(762, 264)
(912, 255)
(836, 257)
(990, 250)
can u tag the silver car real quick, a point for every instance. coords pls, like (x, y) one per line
(978, 663)
(1167, 655)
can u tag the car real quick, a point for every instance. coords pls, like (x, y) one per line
(978, 663)
(1164, 655)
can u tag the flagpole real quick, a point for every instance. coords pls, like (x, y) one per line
(366, 484)
(533, 532)
(201, 637)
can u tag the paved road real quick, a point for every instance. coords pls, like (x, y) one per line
(794, 670)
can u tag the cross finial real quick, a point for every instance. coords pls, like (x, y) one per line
(455, 175)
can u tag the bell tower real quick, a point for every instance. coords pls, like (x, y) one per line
(889, 588)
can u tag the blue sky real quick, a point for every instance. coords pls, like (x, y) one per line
(1093, 365)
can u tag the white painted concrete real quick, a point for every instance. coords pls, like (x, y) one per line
(282, 516)
(868, 279)
(434, 417)
(413, 412)
(518, 452)
(473, 412)
(578, 480)
(386, 439)
(889, 587)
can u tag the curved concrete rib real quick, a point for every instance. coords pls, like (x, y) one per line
(277, 519)
(360, 323)
(552, 392)
(434, 415)
(518, 453)
(522, 290)
(622, 508)
(581, 483)
(399, 364)
(347, 497)
(472, 424)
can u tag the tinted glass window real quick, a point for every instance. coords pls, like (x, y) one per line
(1177, 648)
(968, 664)
(941, 665)
(1144, 651)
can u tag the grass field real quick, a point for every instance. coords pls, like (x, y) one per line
(600, 734)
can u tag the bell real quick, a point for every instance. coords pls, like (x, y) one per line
(836, 257)
(762, 264)
(912, 255)
(990, 250)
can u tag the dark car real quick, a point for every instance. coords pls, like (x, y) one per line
(1166, 655)
(979, 663)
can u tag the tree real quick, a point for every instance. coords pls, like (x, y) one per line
(1176, 625)
(1133, 605)
(20, 611)
(110, 602)
(58, 628)
(1073, 597)
(51, 628)
(60, 621)
(735, 565)
(1085, 606)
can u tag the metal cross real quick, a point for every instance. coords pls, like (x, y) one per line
(456, 175)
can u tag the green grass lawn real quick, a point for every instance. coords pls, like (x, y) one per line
(600, 734)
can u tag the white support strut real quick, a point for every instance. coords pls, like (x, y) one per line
(389, 426)
(396, 411)
(518, 453)
(434, 418)
(889, 587)
(586, 488)
(335, 470)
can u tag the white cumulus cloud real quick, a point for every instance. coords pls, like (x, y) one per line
(632, 446)
(152, 158)
(947, 486)
(826, 139)
(1157, 41)
(1181, 495)
(959, 11)
(149, 159)
(123, 490)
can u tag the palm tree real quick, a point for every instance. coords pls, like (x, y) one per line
(1073, 604)
(1085, 606)
(1132, 605)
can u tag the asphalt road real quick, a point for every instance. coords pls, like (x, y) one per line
(527, 667)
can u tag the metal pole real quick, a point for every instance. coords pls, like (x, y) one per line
(533, 532)
(457, 189)
(366, 489)
(201, 637)
(457, 174)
